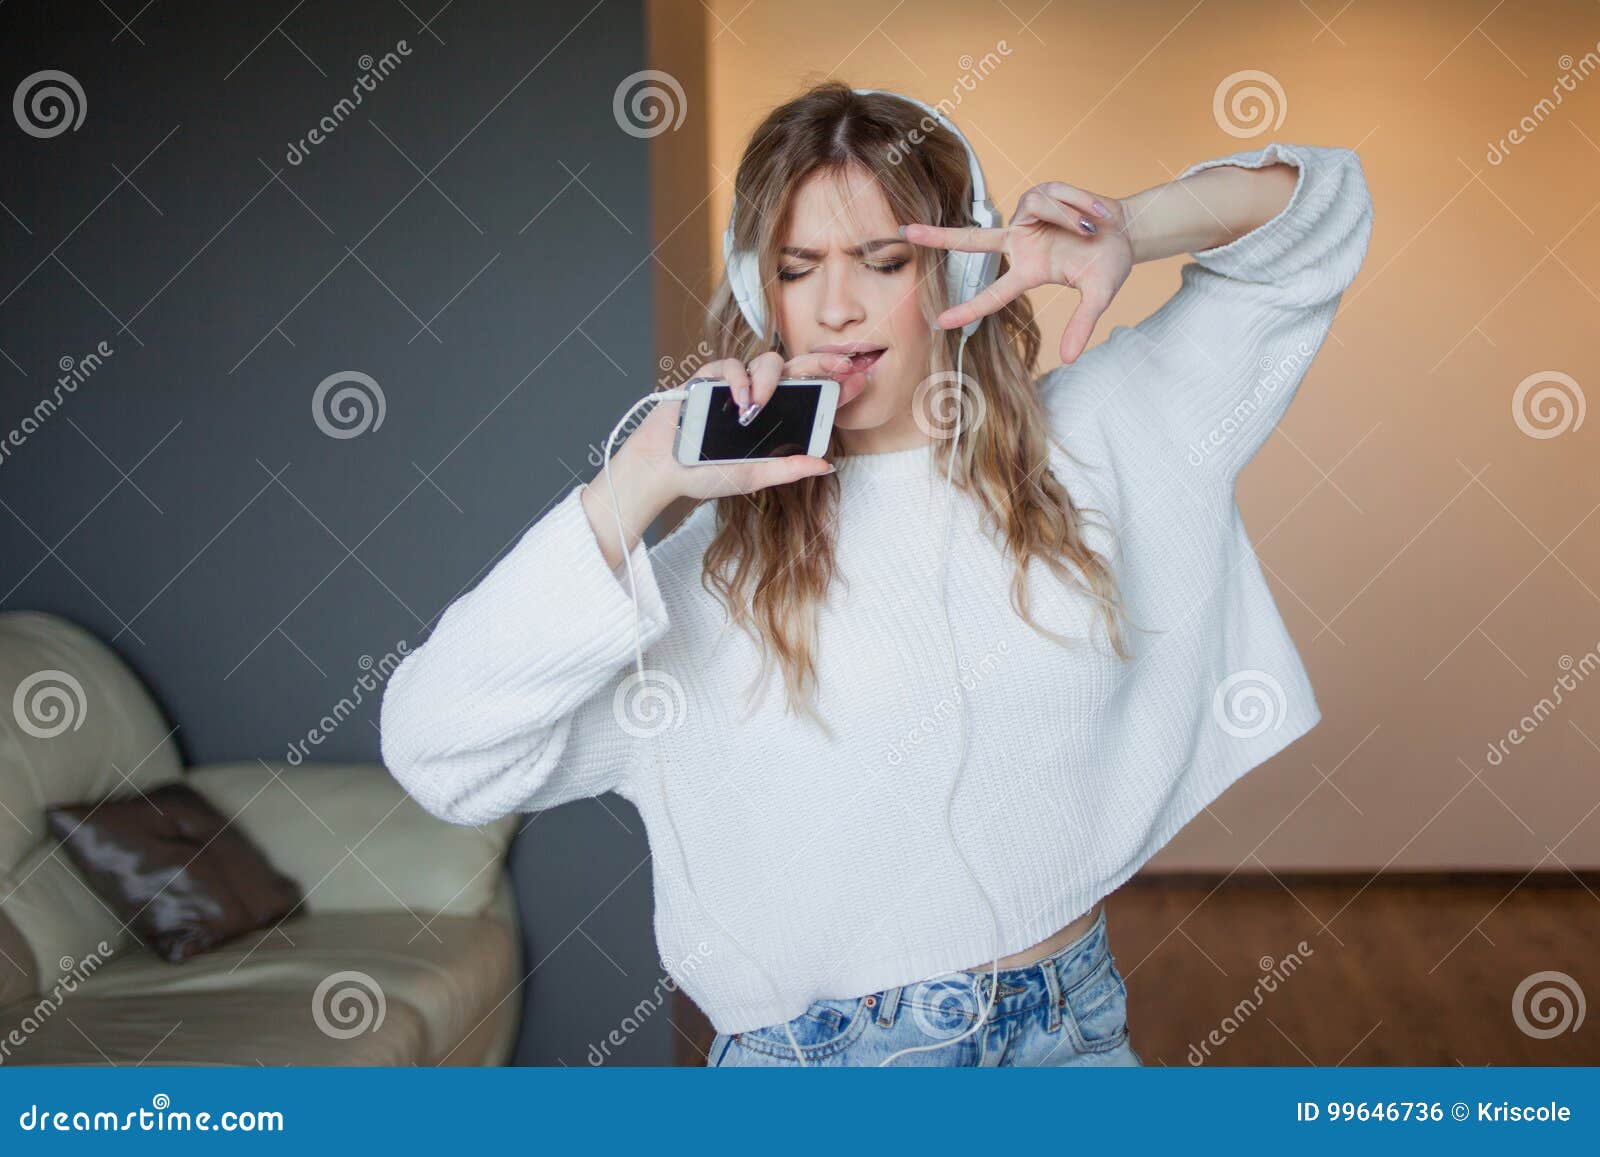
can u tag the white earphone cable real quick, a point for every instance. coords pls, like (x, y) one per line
(961, 758)
(988, 1004)
(638, 657)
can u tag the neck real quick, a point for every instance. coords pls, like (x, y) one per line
(902, 434)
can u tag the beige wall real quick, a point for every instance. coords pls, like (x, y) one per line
(1434, 562)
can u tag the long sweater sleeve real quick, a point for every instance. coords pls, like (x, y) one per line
(498, 710)
(1219, 362)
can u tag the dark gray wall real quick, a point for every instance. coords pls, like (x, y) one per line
(474, 237)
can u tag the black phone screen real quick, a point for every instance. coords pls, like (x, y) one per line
(781, 428)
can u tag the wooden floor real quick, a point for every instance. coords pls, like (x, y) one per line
(1395, 970)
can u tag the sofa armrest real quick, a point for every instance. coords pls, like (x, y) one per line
(354, 840)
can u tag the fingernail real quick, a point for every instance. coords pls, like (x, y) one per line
(832, 469)
(1100, 209)
(1088, 225)
(747, 413)
(902, 230)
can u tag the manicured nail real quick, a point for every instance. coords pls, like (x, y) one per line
(1087, 225)
(1100, 209)
(747, 413)
(902, 230)
(832, 469)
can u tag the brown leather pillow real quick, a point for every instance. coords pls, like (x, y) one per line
(173, 869)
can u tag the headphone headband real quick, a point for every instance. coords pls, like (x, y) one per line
(979, 192)
(967, 274)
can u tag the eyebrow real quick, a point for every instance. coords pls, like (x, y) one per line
(861, 250)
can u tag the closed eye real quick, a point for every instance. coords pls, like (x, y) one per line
(886, 269)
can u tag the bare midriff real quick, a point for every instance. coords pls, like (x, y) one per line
(1055, 941)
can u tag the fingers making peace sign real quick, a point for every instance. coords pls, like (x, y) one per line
(1060, 235)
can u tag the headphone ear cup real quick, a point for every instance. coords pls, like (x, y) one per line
(968, 275)
(957, 269)
(744, 279)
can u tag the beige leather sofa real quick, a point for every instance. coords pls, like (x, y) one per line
(406, 952)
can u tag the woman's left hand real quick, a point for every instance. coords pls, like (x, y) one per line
(1046, 243)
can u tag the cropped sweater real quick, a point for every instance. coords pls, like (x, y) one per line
(826, 855)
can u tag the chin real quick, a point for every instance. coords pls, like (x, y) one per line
(865, 413)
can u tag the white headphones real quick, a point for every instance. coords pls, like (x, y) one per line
(966, 274)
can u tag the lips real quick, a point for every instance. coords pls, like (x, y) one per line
(861, 362)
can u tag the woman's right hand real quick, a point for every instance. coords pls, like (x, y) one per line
(649, 448)
(648, 478)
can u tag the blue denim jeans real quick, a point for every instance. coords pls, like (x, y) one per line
(1069, 1008)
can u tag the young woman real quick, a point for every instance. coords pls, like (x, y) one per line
(1118, 671)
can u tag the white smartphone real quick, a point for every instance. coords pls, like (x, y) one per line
(797, 419)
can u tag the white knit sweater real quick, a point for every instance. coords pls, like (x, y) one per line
(826, 858)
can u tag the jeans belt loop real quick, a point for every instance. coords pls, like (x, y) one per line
(888, 1002)
(1052, 986)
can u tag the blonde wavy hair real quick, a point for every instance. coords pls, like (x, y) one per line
(772, 556)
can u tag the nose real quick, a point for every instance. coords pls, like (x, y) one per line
(841, 305)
